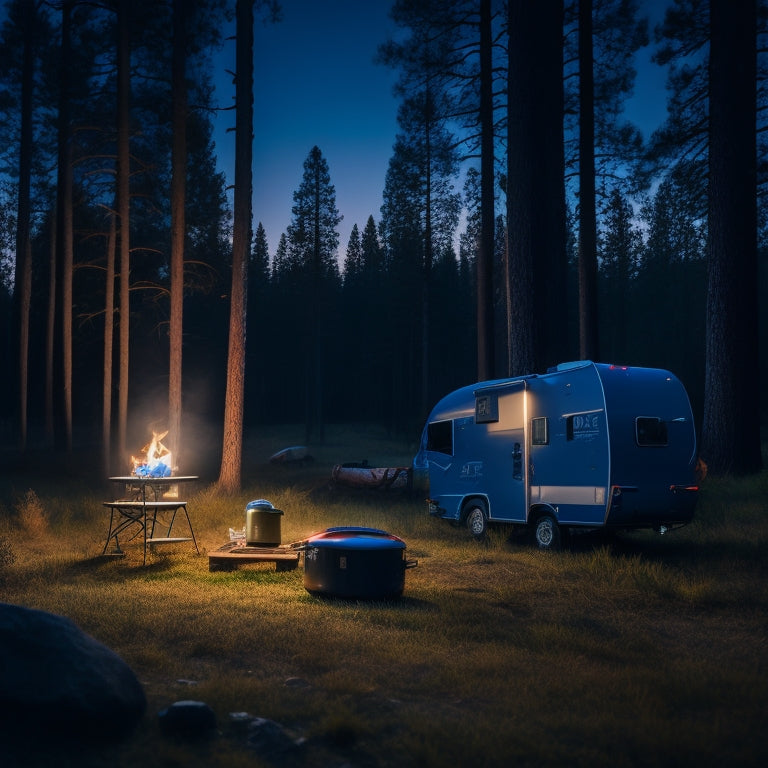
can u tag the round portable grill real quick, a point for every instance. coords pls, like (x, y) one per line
(352, 562)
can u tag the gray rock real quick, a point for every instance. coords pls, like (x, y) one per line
(188, 719)
(270, 739)
(54, 678)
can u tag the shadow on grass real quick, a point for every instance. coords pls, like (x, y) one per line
(117, 567)
(403, 602)
(677, 547)
(680, 550)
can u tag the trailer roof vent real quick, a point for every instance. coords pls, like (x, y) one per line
(569, 366)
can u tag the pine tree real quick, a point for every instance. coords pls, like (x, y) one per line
(680, 145)
(402, 241)
(673, 265)
(372, 253)
(731, 429)
(486, 357)
(234, 403)
(452, 54)
(260, 316)
(313, 241)
(62, 372)
(535, 187)
(710, 138)
(29, 20)
(353, 260)
(259, 263)
(620, 251)
(280, 262)
(378, 350)
(609, 34)
(423, 168)
(178, 224)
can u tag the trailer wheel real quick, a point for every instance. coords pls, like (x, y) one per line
(476, 519)
(546, 532)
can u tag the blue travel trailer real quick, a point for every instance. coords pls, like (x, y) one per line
(584, 446)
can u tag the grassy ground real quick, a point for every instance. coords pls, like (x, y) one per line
(636, 650)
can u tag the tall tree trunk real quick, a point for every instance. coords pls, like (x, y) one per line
(320, 319)
(124, 213)
(23, 278)
(731, 428)
(314, 357)
(507, 303)
(109, 330)
(521, 106)
(178, 228)
(231, 458)
(50, 335)
(486, 341)
(64, 253)
(535, 190)
(535, 194)
(426, 280)
(588, 326)
(551, 263)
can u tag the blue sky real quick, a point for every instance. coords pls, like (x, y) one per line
(316, 83)
(342, 102)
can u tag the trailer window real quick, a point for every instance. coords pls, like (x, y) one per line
(540, 431)
(650, 430)
(486, 409)
(440, 437)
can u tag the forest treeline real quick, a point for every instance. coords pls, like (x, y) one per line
(525, 222)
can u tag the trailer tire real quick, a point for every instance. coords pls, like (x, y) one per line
(476, 519)
(546, 532)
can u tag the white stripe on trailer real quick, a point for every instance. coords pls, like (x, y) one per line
(568, 494)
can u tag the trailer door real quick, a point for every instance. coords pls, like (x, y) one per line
(503, 411)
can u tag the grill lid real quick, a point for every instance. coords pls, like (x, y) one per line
(354, 537)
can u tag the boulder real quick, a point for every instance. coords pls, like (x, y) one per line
(56, 678)
(190, 719)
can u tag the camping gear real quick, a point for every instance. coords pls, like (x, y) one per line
(262, 524)
(355, 562)
(354, 475)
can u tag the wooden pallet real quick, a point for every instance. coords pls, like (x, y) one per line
(232, 555)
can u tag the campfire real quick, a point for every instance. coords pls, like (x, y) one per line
(154, 459)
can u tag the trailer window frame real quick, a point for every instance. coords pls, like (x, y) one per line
(440, 436)
(540, 430)
(651, 432)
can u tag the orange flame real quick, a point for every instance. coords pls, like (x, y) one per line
(153, 453)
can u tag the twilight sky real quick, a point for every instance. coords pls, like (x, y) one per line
(316, 84)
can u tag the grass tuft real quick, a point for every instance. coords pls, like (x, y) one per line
(31, 515)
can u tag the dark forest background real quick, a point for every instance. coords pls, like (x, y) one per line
(525, 222)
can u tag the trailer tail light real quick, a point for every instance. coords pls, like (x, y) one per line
(689, 488)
